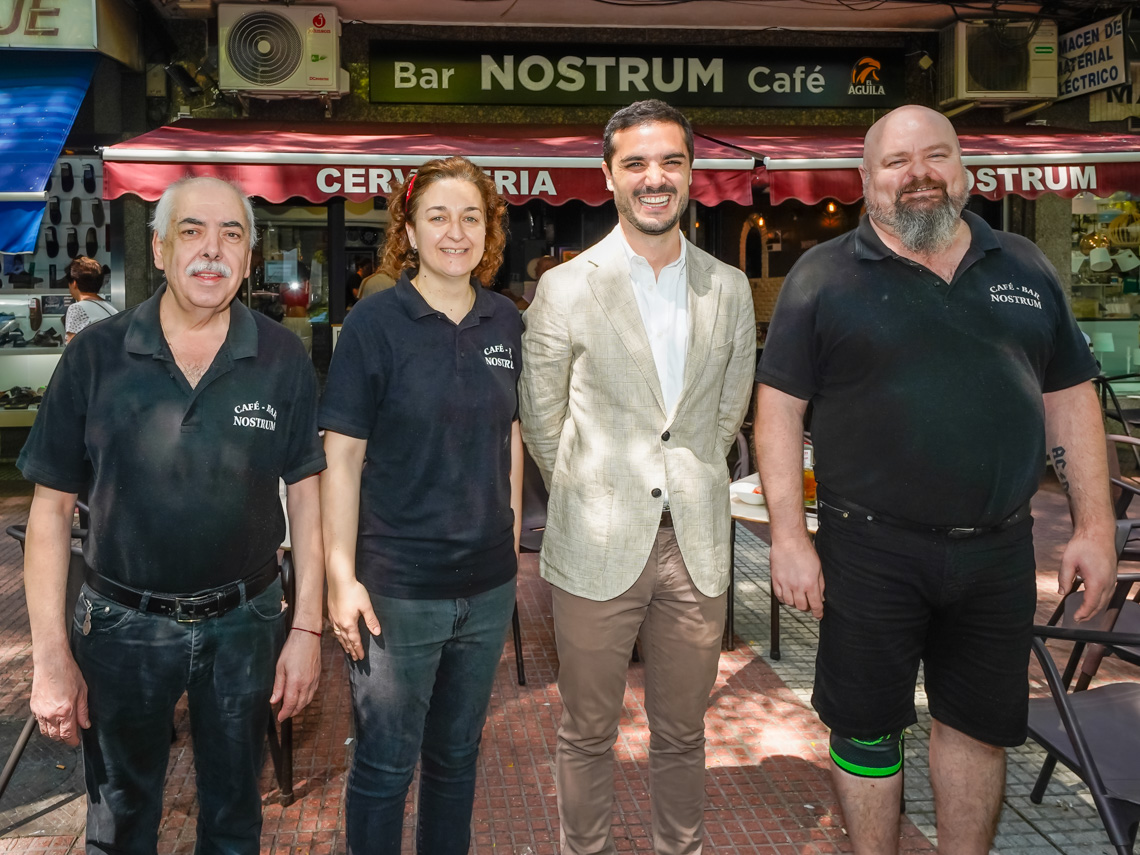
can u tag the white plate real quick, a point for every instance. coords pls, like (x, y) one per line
(746, 493)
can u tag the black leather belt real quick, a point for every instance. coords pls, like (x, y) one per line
(847, 508)
(666, 519)
(188, 608)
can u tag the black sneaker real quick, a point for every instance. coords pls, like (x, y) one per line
(66, 178)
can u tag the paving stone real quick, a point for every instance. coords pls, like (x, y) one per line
(767, 785)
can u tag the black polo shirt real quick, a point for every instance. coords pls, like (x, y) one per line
(183, 482)
(926, 396)
(435, 401)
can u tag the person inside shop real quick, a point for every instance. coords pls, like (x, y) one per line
(422, 540)
(536, 267)
(934, 402)
(361, 271)
(85, 280)
(374, 284)
(180, 416)
(638, 361)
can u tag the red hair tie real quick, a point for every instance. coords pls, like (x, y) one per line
(408, 192)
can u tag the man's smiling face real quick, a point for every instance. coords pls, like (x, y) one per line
(649, 174)
(206, 252)
(914, 183)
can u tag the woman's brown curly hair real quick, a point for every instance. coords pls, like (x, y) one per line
(397, 255)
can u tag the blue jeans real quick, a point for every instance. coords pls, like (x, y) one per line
(137, 666)
(421, 693)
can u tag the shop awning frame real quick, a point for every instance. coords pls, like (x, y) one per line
(276, 162)
(822, 163)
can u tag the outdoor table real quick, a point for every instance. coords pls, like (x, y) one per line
(758, 514)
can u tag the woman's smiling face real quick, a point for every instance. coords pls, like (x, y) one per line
(450, 229)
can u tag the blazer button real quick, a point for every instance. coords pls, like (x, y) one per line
(655, 492)
(665, 436)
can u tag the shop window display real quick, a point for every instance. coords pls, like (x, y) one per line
(1105, 263)
(33, 286)
(290, 277)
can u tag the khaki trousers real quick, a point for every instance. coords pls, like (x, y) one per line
(680, 630)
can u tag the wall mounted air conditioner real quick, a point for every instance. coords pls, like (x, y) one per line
(997, 61)
(273, 51)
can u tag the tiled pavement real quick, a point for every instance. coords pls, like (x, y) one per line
(767, 785)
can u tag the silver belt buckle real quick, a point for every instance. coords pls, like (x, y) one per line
(183, 603)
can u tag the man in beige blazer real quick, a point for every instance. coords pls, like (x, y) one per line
(638, 358)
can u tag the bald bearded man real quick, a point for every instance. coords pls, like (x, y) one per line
(941, 360)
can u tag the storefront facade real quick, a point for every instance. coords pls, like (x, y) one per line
(779, 116)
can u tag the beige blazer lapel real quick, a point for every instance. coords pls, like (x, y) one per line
(611, 287)
(704, 295)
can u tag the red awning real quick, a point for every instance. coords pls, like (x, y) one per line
(813, 168)
(359, 162)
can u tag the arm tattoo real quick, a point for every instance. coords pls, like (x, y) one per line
(1059, 465)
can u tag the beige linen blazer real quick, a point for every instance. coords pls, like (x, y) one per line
(594, 420)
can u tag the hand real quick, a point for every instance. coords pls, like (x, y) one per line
(298, 674)
(347, 605)
(59, 698)
(797, 579)
(1094, 560)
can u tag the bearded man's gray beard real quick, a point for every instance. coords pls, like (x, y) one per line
(921, 229)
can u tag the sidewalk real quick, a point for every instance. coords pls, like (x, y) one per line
(767, 786)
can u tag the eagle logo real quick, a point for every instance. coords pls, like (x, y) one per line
(865, 70)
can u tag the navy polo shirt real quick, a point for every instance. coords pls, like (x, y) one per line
(183, 481)
(926, 395)
(435, 401)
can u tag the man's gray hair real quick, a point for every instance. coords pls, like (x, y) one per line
(164, 209)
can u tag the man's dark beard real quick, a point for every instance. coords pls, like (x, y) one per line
(921, 229)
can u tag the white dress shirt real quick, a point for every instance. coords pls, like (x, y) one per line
(663, 302)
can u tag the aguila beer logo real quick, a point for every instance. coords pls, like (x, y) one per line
(865, 77)
(319, 21)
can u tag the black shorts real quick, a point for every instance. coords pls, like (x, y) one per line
(893, 598)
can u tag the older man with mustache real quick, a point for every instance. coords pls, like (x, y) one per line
(941, 361)
(178, 417)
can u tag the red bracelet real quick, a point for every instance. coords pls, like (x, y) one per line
(302, 629)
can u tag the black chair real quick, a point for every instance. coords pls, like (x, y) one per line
(1122, 492)
(534, 501)
(1129, 417)
(740, 466)
(281, 747)
(1095, 732)
(75, 572)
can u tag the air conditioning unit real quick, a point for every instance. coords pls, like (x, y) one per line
(997, 62)
(274, 51)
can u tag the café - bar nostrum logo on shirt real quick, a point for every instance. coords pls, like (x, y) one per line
(419, 73)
